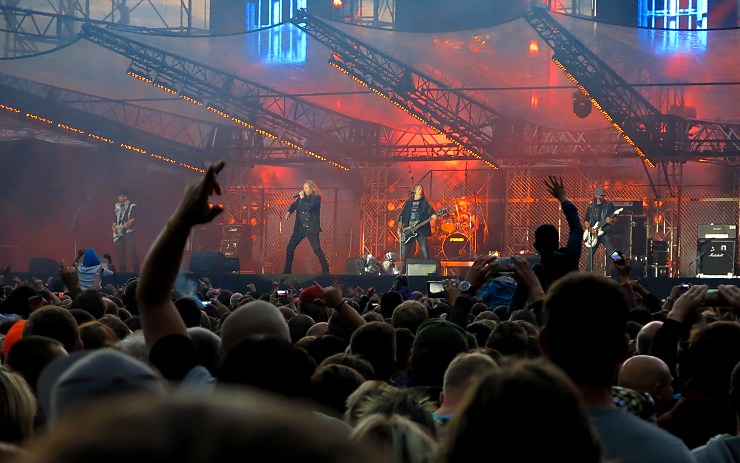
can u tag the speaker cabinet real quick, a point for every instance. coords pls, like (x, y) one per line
(422, 267)
(43, 266)
(716, 257)
(629, 235)
(213, 262)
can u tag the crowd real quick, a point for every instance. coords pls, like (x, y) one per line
(569, 366)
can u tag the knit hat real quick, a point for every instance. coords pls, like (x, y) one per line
(90, 258)
(14, 334)
(436, 336)
(599, 191)
(102, 373)
(311, 293)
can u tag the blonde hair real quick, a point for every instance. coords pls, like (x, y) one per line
(403, 440)
(17, 407)
(314, 187)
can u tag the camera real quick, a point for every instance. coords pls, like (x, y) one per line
(435, 289)
(282, 293)
(617, 257)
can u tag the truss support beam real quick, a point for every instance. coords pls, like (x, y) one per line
(465, 121)
(655, 136)
(320, 133)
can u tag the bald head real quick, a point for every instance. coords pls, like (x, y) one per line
(649, 374)
(645, 337)
(253, 319)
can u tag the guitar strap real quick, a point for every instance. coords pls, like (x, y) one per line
(123, 212)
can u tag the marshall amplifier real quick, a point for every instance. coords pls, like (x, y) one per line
(712, 231)
(715, 257)
(629, 207)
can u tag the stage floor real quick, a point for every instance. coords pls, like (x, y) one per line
(661, 287)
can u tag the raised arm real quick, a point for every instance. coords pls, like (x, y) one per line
(159, 317)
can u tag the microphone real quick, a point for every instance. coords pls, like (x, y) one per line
(298, 195)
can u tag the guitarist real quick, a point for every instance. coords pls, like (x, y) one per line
(417, 209)
(123, 228)
(599, 215)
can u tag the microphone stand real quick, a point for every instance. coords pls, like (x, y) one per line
(73, 225)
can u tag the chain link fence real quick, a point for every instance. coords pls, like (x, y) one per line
(482, 205)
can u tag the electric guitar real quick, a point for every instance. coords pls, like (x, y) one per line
(589, 238)
(410, 232)
(121, 230)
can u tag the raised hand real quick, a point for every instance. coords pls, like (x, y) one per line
(195, 208)
(555, 187)
(332, 296)
(481, 271)
(688, 306)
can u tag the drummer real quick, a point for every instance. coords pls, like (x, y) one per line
(465, 217)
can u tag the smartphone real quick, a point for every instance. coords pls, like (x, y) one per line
(435, 289)
(505, 264)
(617, 257)
(282, 293)
(685, 286)
(207, 303)
(714, 298)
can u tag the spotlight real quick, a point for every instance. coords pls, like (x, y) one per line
(581, 105)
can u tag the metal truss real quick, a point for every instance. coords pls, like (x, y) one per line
(272, 114)
(194, 138)
(719, 142)
(31, 31)
(654, 135)
(164, 137)
(465, 121)
(295, 123)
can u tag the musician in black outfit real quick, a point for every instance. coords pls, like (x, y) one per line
(416, 210)
(599, 216)
(307, 207)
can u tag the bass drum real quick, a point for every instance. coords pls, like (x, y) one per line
(456, 245)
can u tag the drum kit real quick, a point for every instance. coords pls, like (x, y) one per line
(456, 230)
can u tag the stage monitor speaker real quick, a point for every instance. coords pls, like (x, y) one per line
(716, 257)
(212, 262)
(43, 266)
(422, 267)
(354, 266)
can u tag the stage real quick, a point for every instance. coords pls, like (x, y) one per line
(661, 287)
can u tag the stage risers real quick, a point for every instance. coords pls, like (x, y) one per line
(661, 287)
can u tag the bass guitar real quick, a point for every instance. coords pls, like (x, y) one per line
(410, 232)
(591, 236)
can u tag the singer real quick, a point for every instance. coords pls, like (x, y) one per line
(307, 206)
